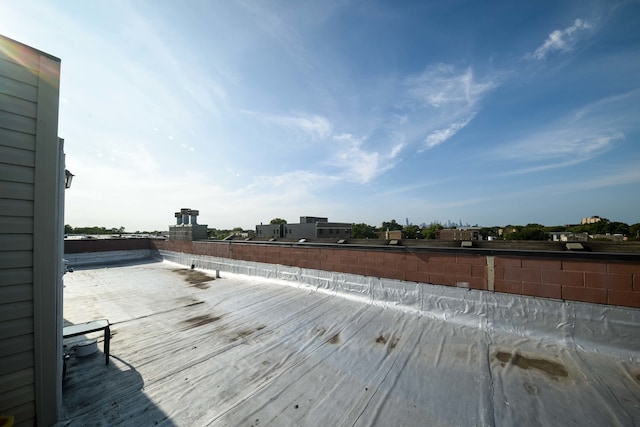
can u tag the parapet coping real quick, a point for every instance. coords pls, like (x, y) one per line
(562, 255)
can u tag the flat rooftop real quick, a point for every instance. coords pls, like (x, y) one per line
(189, 349)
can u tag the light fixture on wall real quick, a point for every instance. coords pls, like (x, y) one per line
(68, 177)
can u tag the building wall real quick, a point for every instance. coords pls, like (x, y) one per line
(458, 234)
(390, 235)
(299, 231)
(333, 230)
(312, 219)
(270, 230)
(31, 171)
(603, 280)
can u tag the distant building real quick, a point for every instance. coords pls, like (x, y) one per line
(590, 220)
(309, 227)
(390, 234)
(503, 231)
(312, 219)
(609, 236)
(566, 236)
(469, 233)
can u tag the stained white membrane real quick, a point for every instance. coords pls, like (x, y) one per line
(304, 348)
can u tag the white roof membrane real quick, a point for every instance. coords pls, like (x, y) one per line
(242, 350)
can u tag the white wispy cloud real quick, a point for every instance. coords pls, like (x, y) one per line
(578, 136)
(575, 142)
(543, 167)
(443, 85)
(348, 153)
(360, 164)
(204, 89)
(561, 40)
(449, 98)
(312, 125)
(623, 174)
(281, 27)
(439, 136)
(629, 174)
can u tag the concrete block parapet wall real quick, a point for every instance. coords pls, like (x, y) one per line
(602, 279)
(546, 275)
(601, 282)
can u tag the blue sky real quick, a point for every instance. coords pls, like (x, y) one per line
(494, 113)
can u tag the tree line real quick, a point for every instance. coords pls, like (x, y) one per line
(425, 231)
(509, 232)
(601, 228)
(411, 231)
(68, 229)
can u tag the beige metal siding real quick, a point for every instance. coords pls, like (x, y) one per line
(28, 124)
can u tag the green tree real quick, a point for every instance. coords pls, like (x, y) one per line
(603, 226)
(363, 231)
(528, 232)
(412, 232)
(618, 228)
(214, 233)
(278, 221)
(68, 229)
(634, 231)
(390, 225)
(489, 232)
(430, 232)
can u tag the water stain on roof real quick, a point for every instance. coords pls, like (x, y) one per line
(554, 369)
(335, 339)
(196, 321)
(194, 277)
(382, 339)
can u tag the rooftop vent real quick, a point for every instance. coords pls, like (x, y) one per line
(574, 246)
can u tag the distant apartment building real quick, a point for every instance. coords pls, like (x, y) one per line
(590, 220)
(309, 227)
(469, 233)
(566, 236)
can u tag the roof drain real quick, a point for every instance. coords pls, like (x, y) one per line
(86, 347)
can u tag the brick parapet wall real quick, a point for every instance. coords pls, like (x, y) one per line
(605, 280)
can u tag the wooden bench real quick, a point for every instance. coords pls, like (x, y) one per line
(88, 327)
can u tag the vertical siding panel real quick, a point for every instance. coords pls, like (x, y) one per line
(19, 378)
(30, 165)
(48, 233)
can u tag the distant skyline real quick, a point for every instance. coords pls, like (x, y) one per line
(494, 112)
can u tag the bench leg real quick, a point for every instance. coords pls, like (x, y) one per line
(107, 339)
